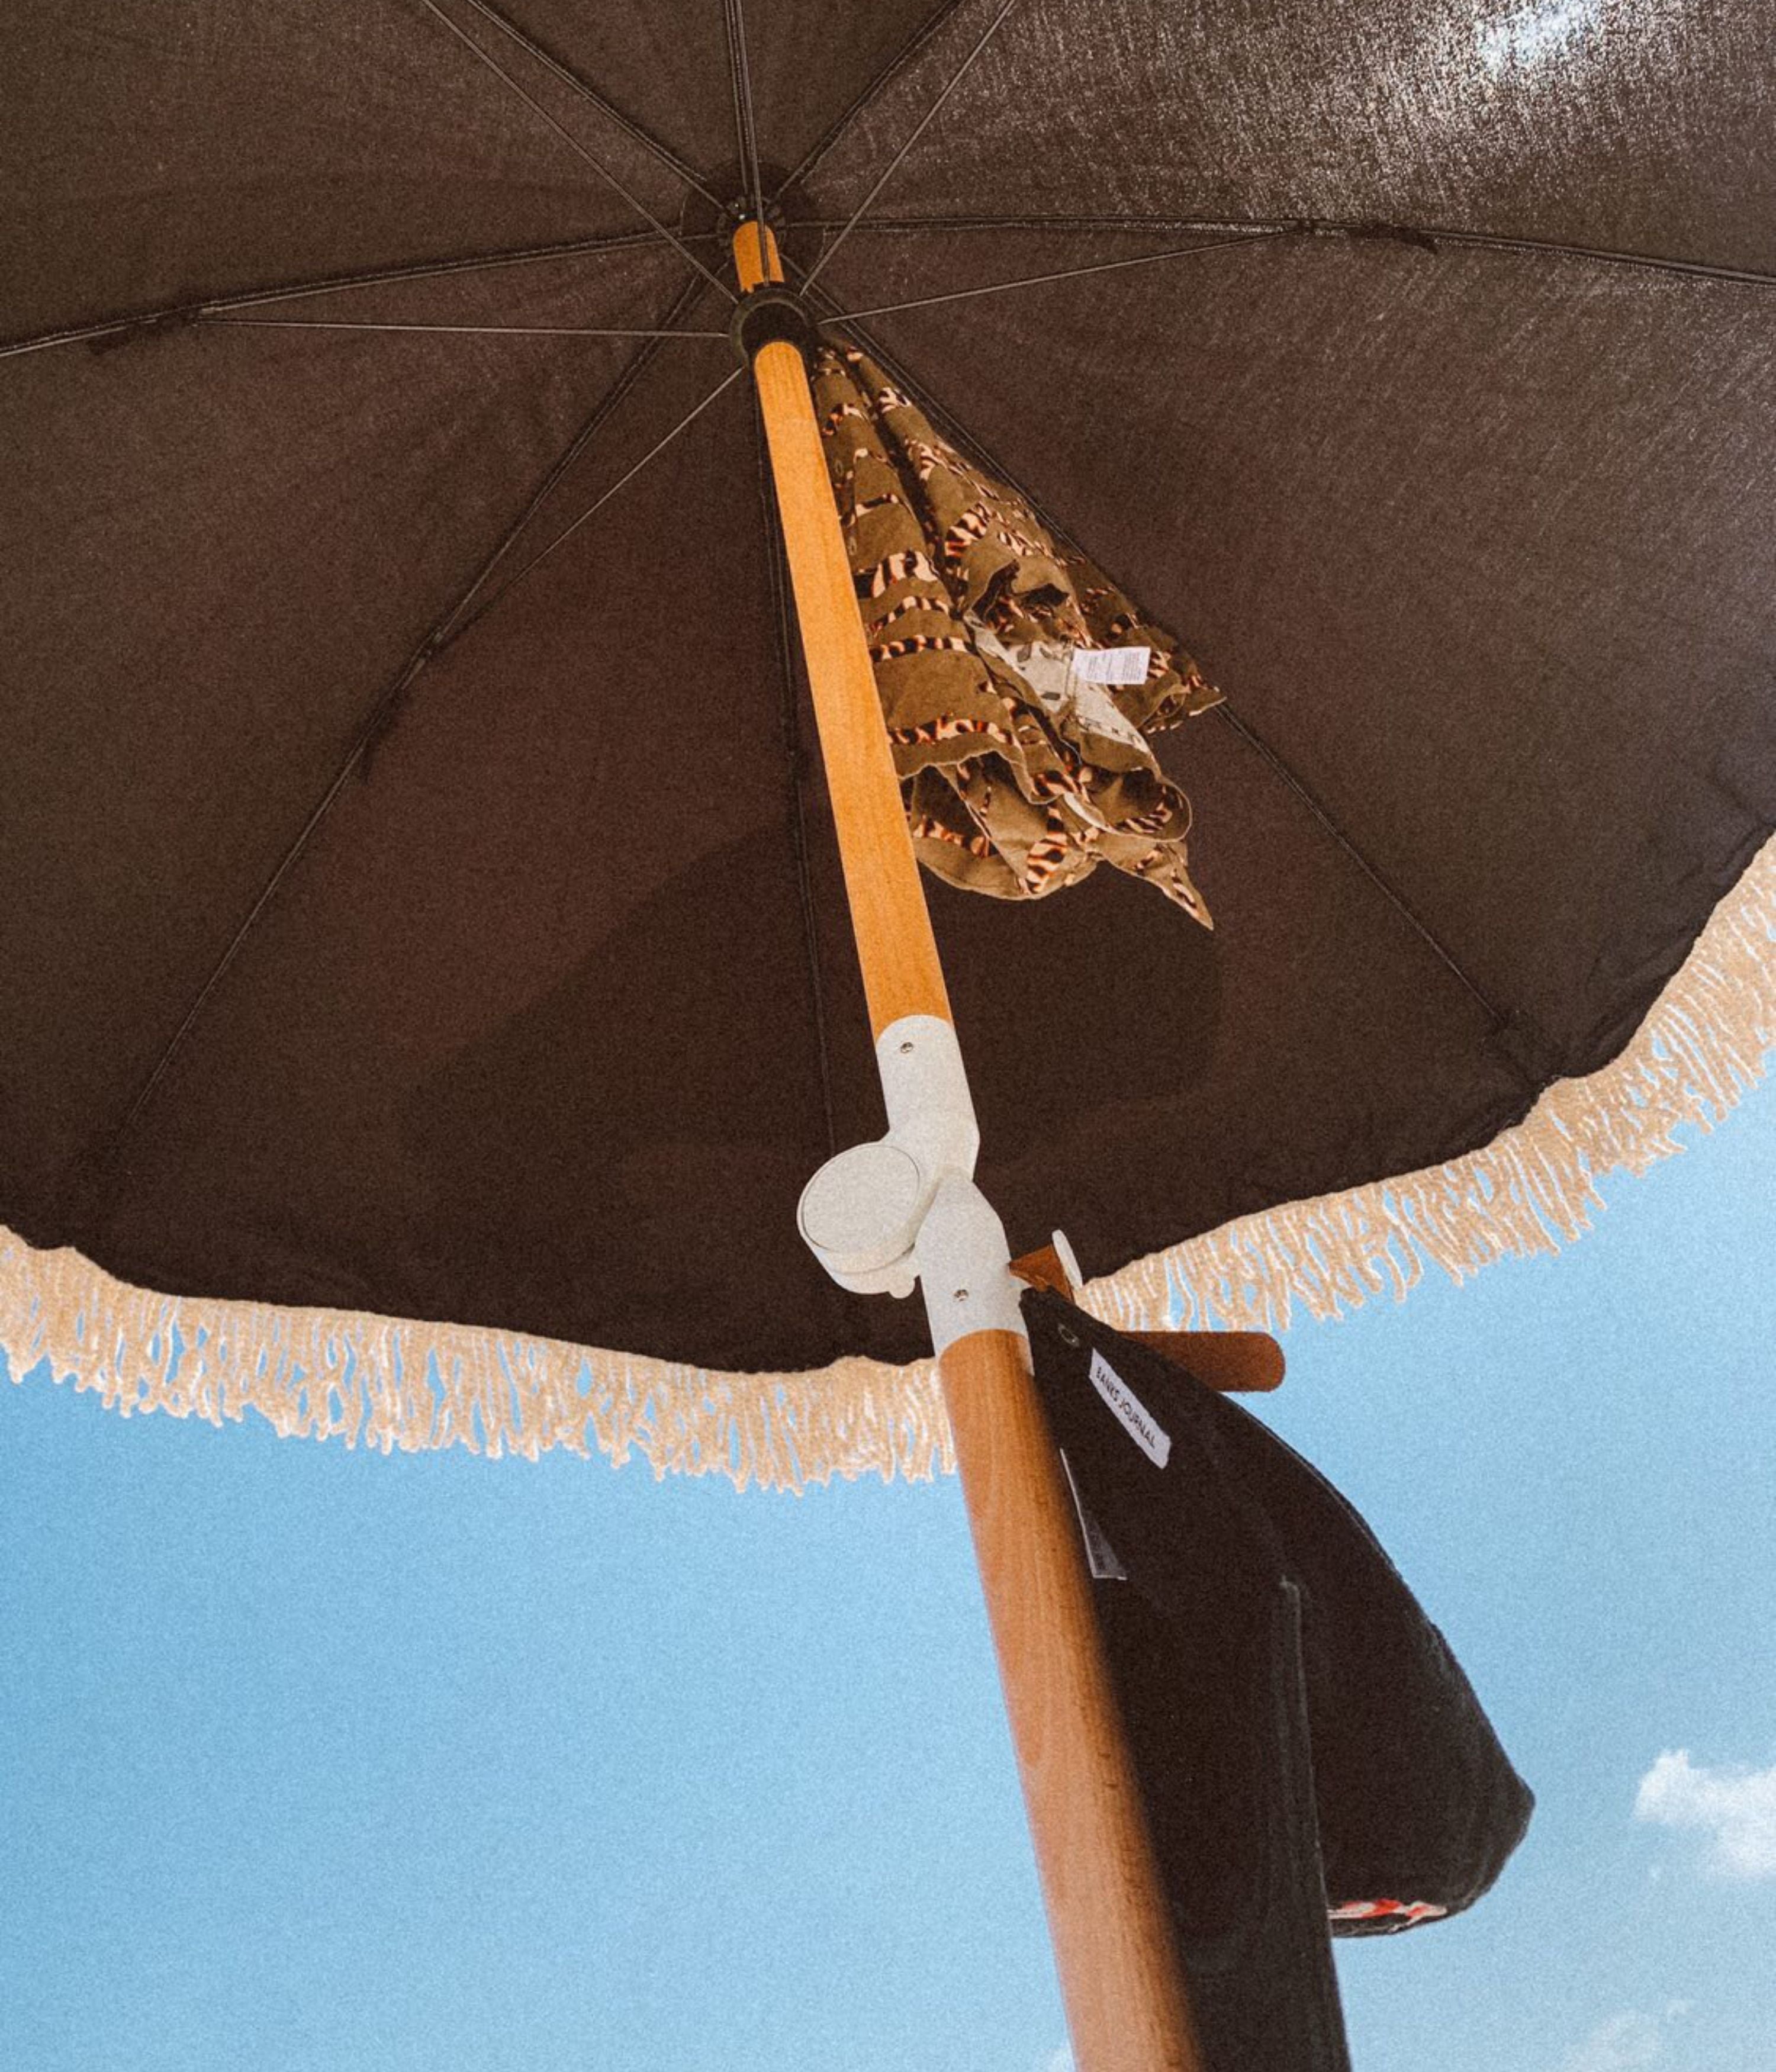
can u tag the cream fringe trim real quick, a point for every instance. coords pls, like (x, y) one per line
(412, 1386)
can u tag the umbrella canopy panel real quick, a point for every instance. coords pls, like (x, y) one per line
(415, 894)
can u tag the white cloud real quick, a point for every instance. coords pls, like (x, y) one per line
(1735, 1807)
(1622, 2044)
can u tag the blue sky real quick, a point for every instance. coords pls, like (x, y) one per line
(315, 1761)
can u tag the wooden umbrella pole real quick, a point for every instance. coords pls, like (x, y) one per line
(1120, 1975)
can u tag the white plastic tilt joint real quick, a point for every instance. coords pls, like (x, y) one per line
(860, 1213)
(965, 1265)
(883, 1215)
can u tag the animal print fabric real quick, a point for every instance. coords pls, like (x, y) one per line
(1018, 779)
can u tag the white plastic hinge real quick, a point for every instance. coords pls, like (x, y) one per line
(861, 1215)
(965, 1266)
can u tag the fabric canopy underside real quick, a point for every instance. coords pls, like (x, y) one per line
(410, 1386)
(396, 925)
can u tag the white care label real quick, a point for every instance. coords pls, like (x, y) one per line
(1111, 665)
(1155, 1443)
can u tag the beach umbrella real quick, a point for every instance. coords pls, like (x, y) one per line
(430, 986)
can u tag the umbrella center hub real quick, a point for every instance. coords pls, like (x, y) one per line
(769, 313)
(728, 201)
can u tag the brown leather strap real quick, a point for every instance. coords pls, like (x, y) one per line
(1236, 1363)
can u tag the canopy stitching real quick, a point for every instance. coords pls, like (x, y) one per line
(382, 711)
(1434, 234)
(575, 144)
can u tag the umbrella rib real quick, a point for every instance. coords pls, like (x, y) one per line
(899, 226)
(288, 291)
(567, 531)
(635, 240)
(924, 124)
(470, 331)
(1597, 255)
(574, 144)
(798, 761)
(920, 37)
(746, 128)
(590, 94)
(1379, 877)
(1068, 274)
(1360, 228)
(382, 711)
(959, 432)
(963, 439)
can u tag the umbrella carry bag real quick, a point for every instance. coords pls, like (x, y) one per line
(1312, 1760)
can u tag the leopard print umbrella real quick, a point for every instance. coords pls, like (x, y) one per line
(1024, 762)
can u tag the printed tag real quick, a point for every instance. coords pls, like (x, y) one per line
(1111, 665)
(1155, 1443)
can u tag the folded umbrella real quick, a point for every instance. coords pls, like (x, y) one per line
(995, 648)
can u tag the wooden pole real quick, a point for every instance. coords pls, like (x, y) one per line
(901, 973)
(1120, 1976)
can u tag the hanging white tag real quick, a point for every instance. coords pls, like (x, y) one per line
(1111, 665)
(1129, 1407)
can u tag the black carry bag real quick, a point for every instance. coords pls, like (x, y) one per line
(1312, 1759)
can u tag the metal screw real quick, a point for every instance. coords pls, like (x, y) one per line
(905, 1050)
(961, 1295)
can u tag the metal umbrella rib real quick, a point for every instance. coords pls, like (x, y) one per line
(580, 149)
(674, 165)
(463, 330)
(447, 627)
(924, 124)
(212, 306)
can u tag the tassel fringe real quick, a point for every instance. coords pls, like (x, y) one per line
(411, 1387)
(1704, 1043)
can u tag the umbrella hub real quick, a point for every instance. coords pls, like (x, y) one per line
(772, 311)
(789, 215)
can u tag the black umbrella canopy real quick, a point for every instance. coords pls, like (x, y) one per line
(417, 894)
